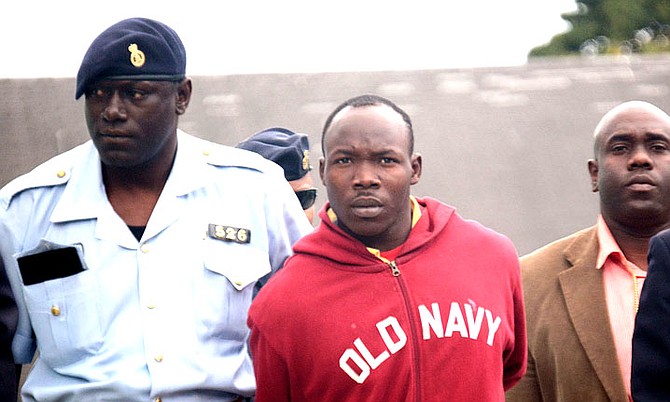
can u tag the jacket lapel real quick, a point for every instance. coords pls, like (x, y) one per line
(584, 292)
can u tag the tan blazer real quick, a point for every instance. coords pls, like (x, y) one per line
(571, 350)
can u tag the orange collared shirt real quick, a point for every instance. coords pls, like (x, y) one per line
(623, 282)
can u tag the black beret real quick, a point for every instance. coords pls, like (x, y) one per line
(284, 147)
(133, 49)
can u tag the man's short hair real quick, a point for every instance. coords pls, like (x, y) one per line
(369, 100)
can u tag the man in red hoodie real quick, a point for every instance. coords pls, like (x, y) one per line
(393, 297)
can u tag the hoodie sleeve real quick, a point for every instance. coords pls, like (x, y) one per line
(515, 360)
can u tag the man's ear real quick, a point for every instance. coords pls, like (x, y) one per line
(322, 167)
(184, 90)
(416, 168)
(593, 172)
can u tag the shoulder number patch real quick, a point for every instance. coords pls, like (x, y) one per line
(229, 233)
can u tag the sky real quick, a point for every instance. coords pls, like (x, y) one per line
(46, 38)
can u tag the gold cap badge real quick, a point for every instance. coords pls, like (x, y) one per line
(137, 58)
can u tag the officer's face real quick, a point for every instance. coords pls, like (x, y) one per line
(305, 183)
(134, 123)
(367, 170)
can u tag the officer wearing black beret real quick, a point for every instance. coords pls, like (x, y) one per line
(133, 257)
(289, 150)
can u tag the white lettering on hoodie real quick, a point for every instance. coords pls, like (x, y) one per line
(359, 361)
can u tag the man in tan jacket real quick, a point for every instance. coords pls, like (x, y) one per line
(581, 292)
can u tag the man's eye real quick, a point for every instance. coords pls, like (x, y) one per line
(134, 94)
(343, 161)
(388, 160)
(96, 92)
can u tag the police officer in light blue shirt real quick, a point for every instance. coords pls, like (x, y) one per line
(133, 257)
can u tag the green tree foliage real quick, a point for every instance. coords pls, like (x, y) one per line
(612, 27)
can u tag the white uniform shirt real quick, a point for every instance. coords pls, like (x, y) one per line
(164, 317)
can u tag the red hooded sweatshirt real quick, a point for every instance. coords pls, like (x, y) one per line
(442, 322)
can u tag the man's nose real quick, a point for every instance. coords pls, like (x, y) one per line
(115, 108)
(640, 158)
(366, 176)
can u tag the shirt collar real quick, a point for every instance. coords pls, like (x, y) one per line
(85, 191)
(608, 247)
(416, 210)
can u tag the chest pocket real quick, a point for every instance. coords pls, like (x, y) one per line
(65, 315)
(225, 290)
(241, 264)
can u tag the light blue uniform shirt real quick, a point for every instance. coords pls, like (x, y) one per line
(164, 317)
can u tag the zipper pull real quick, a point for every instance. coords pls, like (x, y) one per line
(394, 268)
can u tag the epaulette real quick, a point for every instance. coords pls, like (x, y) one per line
(226, 156)
(54, 172)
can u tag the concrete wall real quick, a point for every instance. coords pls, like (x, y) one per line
(506, 146)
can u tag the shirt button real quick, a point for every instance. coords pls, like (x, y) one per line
(60, 174)
(144, 249)
(151, 306)
(158, 358)
(238, 283)
(55, 310)
(158, 399)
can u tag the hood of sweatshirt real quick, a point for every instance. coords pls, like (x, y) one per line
(348, 253)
